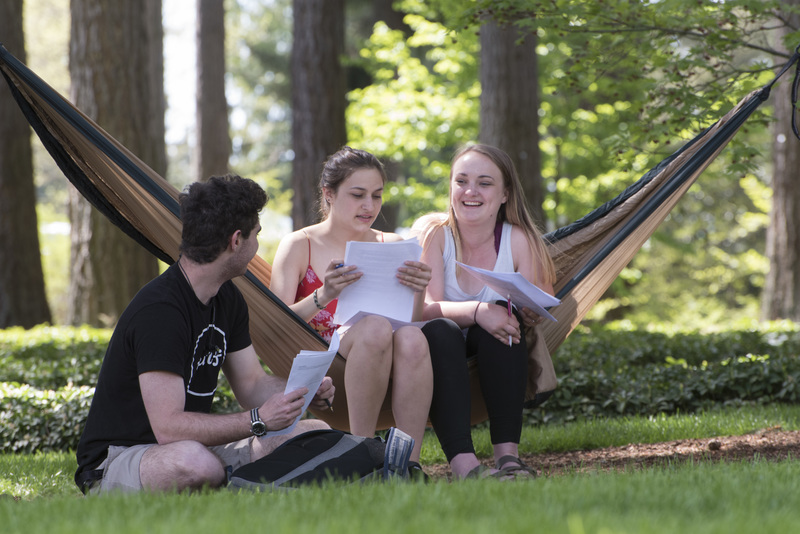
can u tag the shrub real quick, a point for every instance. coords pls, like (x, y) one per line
(52, 357)
(608, 372)
(47, 377)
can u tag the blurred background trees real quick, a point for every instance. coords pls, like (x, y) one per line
(116, 67)
(586, 96)
(22, 294)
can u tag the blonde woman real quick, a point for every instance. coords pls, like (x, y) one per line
(487, 226)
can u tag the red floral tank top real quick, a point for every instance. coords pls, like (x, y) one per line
(322, 322)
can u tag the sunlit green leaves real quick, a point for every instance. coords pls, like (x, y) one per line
(423, 103)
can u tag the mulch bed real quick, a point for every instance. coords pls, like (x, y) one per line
(771, 444)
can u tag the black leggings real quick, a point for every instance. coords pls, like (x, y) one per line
(502, 371)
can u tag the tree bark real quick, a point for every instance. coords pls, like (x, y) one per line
(385, 10)
(117, 69)
(781, 297)
(510, 105)
(318, 98)
(22, 290)
(213, 138)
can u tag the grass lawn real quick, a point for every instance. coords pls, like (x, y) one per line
(754, 496)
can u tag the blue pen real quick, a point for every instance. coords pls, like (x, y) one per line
(338, 265)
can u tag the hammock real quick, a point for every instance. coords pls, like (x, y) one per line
(589, 253)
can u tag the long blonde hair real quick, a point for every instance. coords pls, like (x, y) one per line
(514, 210)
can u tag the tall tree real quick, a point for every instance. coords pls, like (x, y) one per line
(318, 98)
(213, 138)
(509, 116)
(116, 68)
(781, 297)
(22, 290)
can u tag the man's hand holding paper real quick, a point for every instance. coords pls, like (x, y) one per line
(308, 372)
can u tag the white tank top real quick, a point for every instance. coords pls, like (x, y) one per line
(504, 264)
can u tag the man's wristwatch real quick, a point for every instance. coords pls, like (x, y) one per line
(257, 426)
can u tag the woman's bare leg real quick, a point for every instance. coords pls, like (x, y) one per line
(412, 384)
(367, 347)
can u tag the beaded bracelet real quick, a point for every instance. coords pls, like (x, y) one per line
(316, 301)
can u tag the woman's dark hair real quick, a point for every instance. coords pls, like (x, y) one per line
(212, 211)
(339, 166)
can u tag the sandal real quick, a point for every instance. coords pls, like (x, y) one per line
(481, 471)
(416, 473)
(512, 466)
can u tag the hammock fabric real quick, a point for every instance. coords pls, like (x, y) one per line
(589, 253)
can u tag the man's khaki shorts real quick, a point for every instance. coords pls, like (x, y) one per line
(121, 467)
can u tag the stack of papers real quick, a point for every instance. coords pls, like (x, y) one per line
(308, 370)
(378, 291)
(523, 293)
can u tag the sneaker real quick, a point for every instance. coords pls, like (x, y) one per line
(398, 451)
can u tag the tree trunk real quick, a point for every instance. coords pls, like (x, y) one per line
(781, 297)
(213, 139)
(318, 98)
(385, 10)
(510, 105)
(116, 68)
(22, 293)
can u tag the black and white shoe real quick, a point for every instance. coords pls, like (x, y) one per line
(398, 451)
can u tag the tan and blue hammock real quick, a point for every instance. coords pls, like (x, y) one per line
(589, 253)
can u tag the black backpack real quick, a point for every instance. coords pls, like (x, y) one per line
(323, 455)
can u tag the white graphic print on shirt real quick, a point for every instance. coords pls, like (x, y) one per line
(207, 359)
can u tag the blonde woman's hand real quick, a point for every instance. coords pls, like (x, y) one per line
(337, 277)
(530, 317)
(415, 275)
(495, 319)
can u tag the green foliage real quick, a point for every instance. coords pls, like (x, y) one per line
(422, 104)
(40, 419)
(47, 377)
(622, 86)
(612, 372)
(259, 40)
(49, 357)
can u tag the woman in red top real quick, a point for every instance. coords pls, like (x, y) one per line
(306, 277)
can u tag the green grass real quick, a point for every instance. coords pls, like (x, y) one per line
(754, 496)
(731, 498)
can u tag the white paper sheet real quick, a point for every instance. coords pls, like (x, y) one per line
(308, 370)
(523, 293)
(378, 291)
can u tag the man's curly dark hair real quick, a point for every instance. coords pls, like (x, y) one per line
(212, 211)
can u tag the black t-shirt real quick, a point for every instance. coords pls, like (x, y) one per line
(164, 328)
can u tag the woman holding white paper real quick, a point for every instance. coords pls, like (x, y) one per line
(308, 274)
(488, 226)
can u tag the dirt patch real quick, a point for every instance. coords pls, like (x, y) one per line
(771, 444)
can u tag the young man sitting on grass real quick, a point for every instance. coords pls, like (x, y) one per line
(149, 425)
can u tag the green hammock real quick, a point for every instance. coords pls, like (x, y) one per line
(589, 253)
